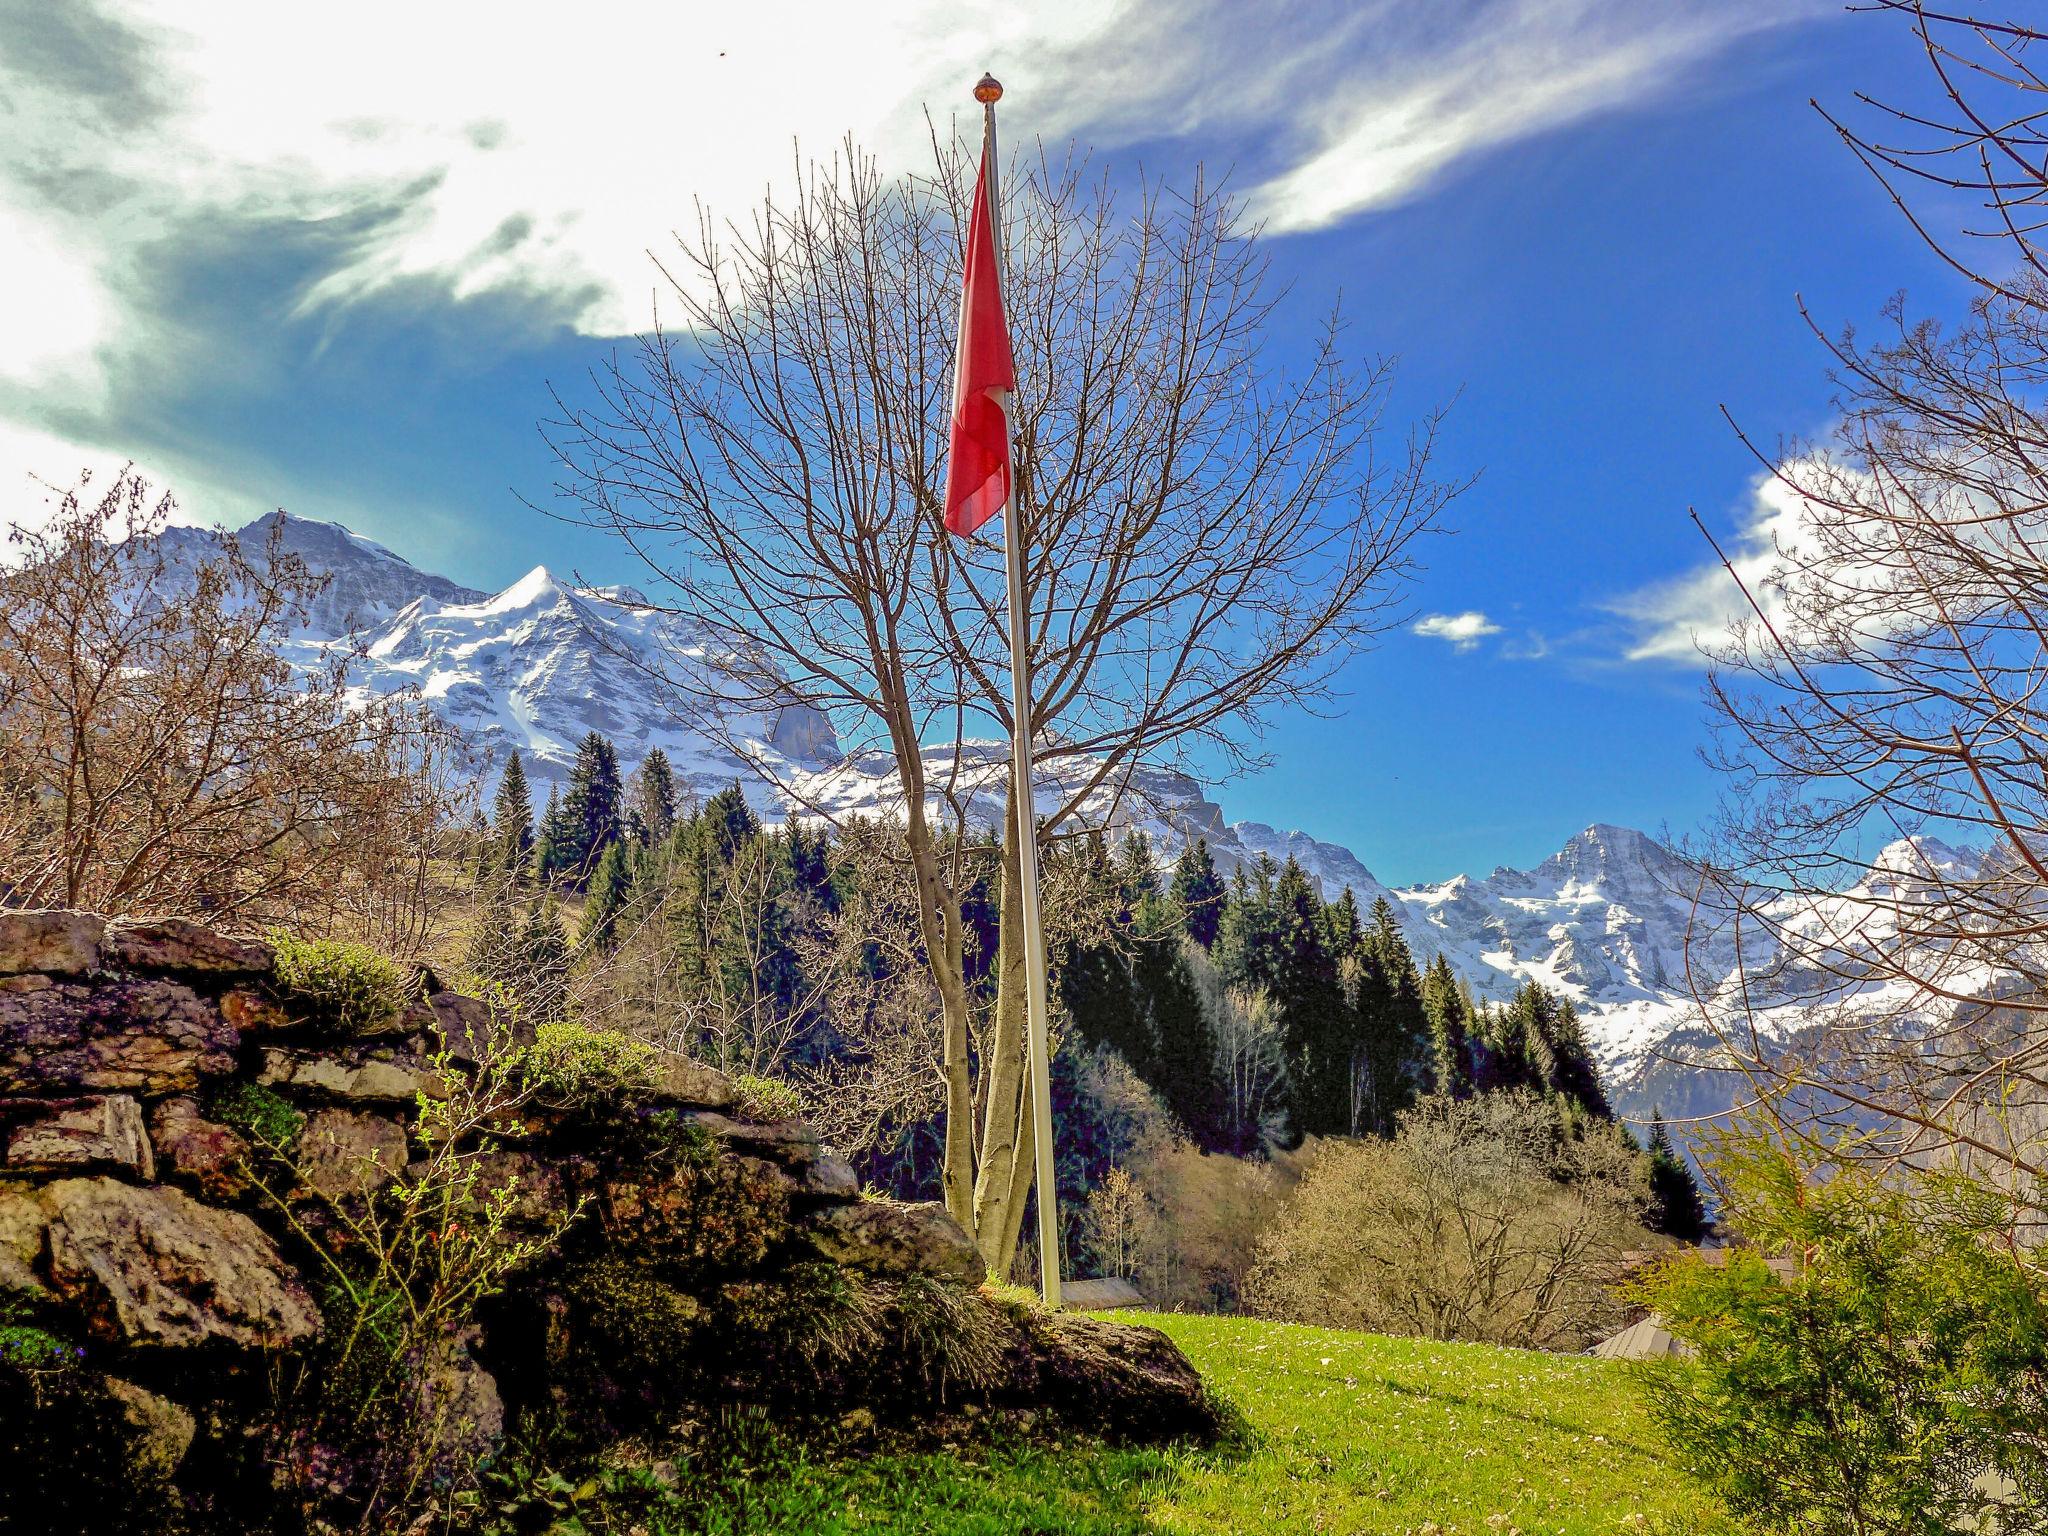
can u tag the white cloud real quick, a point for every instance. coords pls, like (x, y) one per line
(1678, 619)
(1404, 115)
(541, 154)
(1463, 631)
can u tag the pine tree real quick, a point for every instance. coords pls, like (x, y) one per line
(1137, 869)
(1503, 1059)
(1445, 1004)
(1393, 1027)
(653, 796)
(1198, 893)
(1572, 1074)
(1342, 931)
(553, 851)
(1676, 1208)
(512, 821)
(540, 989)
(729, 821)
(611, 885)
(1182, 1037)
(593, 811)
(1319, 1031)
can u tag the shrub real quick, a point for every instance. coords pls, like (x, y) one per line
(1873, 1389)
(637, 1329)
(1481, 1221)
(766, 1098)
(575, 1066)
(343, 990)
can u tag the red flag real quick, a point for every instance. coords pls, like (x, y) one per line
(984, 374)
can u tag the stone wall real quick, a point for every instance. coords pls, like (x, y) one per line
(697, 1259)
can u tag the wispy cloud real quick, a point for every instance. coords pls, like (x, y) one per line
(1682, 618)
(1406, 114)
(541, 160)
(1463, 631)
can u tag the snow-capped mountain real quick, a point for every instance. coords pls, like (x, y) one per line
(367, 583)
(536, 667)
(540, 665)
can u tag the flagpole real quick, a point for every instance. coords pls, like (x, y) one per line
(1023, 806)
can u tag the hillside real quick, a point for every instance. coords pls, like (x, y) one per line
(533, 668)
(1346, 1432)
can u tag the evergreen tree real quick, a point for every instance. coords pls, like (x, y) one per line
(1137, 869)
(1447, 1007)
(1272, 937)
(540, 987)
(729, 821)
(1342, 931)
(553, 846)
(593, 811)
(512, 821)
(611, 886)
(1394, 1030)
(1095, 979)
(1198, 893)
(1571, 1073)
(1182, 1037)
(653, 796)
(1676, 1208)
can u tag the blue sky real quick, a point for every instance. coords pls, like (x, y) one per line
(337, 264)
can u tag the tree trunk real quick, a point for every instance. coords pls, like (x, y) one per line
(939, 916)
(1005, 1117)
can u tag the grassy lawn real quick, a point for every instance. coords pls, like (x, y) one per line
(1351, 1433)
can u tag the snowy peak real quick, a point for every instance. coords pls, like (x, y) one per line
(366, 583)
(537, 667)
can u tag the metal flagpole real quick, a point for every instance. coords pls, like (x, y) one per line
(1023, 806)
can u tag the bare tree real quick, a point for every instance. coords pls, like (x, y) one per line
(1478, 1221)
(1208, 539)
(161, 757)
(1887, 684)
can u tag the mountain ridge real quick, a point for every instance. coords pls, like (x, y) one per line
(533, 668)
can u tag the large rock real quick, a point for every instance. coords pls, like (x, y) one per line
(59, 943)
(23, 1222)
(212, 1158)
(530, 1191)
(179, 944)
(369, 1080)
(885, 1237)
(787, 1142)
(154, 1267)
(469, 1030)
(151, 1037)
(344, 1154)
(679, 1080)
(1119, 1379)
(73, 1135)
(825, 1177)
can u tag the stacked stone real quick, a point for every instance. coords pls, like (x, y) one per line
(127, 1211)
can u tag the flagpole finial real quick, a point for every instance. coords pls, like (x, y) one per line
(988, 90)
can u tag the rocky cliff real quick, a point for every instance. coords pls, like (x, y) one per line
(277, 1249)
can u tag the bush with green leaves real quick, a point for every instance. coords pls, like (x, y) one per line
(1892, 1379)
(766, 1098)
(572, 1065)
(343, 990)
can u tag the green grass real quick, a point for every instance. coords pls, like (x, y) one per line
(1350, 1433)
